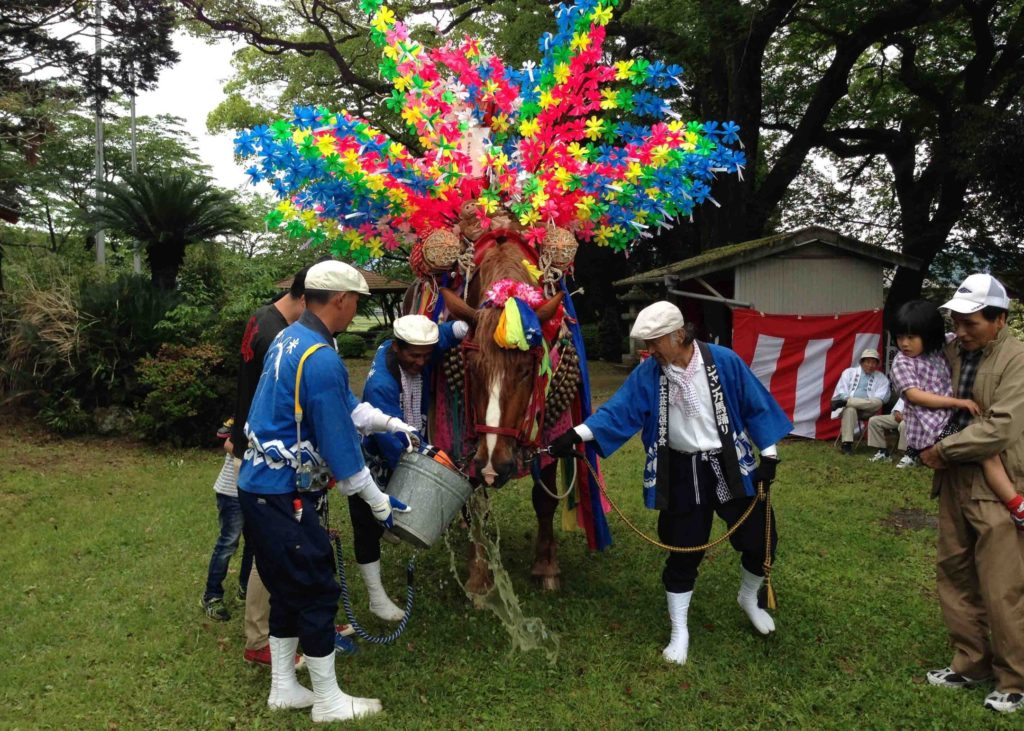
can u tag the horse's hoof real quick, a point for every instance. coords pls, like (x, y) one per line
(550, 583)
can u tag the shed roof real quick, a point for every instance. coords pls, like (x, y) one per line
(377, 283)
(733, 255)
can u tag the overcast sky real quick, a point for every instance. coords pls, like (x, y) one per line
(191, 89)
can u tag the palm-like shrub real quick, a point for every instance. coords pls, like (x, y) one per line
(165, 212)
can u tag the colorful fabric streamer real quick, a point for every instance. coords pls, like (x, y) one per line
(569, 141)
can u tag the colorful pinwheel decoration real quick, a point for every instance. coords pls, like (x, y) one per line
(569, 142)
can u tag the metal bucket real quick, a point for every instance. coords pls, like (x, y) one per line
(434, 492)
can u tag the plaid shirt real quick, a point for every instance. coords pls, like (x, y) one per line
(969, 360)
(928, 373)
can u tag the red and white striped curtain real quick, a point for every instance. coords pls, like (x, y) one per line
(799, 359)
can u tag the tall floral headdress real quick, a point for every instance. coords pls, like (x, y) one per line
(568, 142)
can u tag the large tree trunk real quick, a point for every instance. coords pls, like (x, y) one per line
(165, 259)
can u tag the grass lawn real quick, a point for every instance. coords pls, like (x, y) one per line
(104, 554)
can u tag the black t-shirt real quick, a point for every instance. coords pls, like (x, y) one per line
(263, 327)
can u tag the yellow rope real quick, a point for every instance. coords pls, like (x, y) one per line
(686, 549)
(770, 600)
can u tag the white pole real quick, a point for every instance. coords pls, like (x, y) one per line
(101, 254)
(136, 257)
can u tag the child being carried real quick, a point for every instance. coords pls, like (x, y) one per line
(921, 375)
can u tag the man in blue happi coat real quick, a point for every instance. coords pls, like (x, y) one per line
(701, 411)
(304, 429)
(399, 385)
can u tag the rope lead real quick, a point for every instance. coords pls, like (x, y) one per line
(410, 593)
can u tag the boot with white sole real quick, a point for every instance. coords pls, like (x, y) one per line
(331, 704)
(679, 644)
(380, 602)
(750, 584)
(285, 690)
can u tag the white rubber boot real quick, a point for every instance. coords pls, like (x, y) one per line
(747, 598)
(380, 602)
(679, 644)
(331, 704)
(285, 690)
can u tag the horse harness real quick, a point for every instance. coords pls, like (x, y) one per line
(528, 433)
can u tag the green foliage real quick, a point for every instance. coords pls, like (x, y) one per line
(121, 318)
(71, 347)
(63, 413)
(187, 394)
(165, 212)
(351, 345)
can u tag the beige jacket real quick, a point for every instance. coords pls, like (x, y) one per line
(999, 391)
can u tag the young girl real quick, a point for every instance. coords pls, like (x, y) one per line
(921, 374)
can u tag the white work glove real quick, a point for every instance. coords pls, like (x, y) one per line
(460, 329)
(381, 504)
(395, 425)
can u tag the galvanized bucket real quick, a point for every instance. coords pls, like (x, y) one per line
(434, 492)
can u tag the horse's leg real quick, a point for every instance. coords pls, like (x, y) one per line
(480, 580)
(545, 563)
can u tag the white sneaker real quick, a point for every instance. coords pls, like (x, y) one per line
(1004, 702)
(880, 455)
(905, 462)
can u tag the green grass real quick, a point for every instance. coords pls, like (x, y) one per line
(104, 553)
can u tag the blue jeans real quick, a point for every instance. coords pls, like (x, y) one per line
(229, 513)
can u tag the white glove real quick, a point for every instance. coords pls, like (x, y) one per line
(381, 505)
(460, 329)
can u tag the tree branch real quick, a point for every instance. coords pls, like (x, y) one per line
(253, 31)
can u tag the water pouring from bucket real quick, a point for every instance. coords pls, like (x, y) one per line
(429, 481)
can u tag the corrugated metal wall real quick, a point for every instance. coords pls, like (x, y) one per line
(813, 280)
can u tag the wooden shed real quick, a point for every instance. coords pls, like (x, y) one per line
(810, 271)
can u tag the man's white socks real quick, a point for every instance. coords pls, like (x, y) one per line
(679, 644)
(285, 690)
(747, 598)
(330, 703)
(380, 602)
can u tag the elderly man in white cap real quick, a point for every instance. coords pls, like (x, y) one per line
(304, 428)
(398, 385)
(860, 394)
(701, 413)
(980, 561)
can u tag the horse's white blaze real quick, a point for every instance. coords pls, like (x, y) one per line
(492, 418)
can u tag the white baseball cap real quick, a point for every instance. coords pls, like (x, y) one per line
(977, 292)
(870, 353)
(656, 320)
(416, 330)
(336, 276)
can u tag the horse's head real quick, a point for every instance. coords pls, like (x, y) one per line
(500, 389)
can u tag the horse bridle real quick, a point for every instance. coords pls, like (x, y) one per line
(534, 414)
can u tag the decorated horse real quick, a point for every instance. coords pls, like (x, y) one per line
(512, 168)
(514, 381)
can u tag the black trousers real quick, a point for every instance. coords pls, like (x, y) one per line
(296, 563)
(366, 531)
(687, 522)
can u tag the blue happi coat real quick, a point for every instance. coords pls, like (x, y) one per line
(754, 416)
(383, 390)
(329, 439)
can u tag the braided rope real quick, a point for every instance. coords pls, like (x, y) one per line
(410, 593)
(680, 549)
